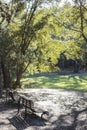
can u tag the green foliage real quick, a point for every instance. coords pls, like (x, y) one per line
(73, 28)
(34, 35)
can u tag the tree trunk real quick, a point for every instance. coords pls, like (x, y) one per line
(17, 83)
(1, 88)
(6, 74)
(76, 67)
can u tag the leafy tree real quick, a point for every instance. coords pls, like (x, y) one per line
(73, 18)
(20, 32)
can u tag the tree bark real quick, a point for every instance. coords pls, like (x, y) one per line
(76, 67)
(1, 87)
(17, 83)
(6, 74)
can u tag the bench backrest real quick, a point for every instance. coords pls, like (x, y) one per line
(26, 102)
(9, 93)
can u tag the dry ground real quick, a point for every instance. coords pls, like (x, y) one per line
(67, 111)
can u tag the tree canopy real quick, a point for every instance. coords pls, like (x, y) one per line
(34, 34)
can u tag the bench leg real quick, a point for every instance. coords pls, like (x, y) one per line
(44, 113)
(18, 105)
(25, 114)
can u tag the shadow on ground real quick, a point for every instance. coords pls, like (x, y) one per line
(76, 120)
(69, 111)
(20, 123)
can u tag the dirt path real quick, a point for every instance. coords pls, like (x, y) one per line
(67, 111)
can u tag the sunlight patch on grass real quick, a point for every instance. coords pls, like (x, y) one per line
(56, 81)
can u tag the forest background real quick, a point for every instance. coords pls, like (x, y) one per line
(41, 36)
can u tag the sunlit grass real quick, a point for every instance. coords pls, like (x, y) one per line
(78, 82)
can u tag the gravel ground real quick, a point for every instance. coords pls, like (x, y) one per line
(67, 111)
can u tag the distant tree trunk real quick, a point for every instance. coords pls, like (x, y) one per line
(6, 74)
(76, 67)
(1, 88)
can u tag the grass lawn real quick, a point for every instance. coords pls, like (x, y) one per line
(77, 82)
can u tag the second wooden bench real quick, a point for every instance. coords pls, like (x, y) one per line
(29, 106)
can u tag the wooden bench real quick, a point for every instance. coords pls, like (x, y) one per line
(11, 95)
(29, 106)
